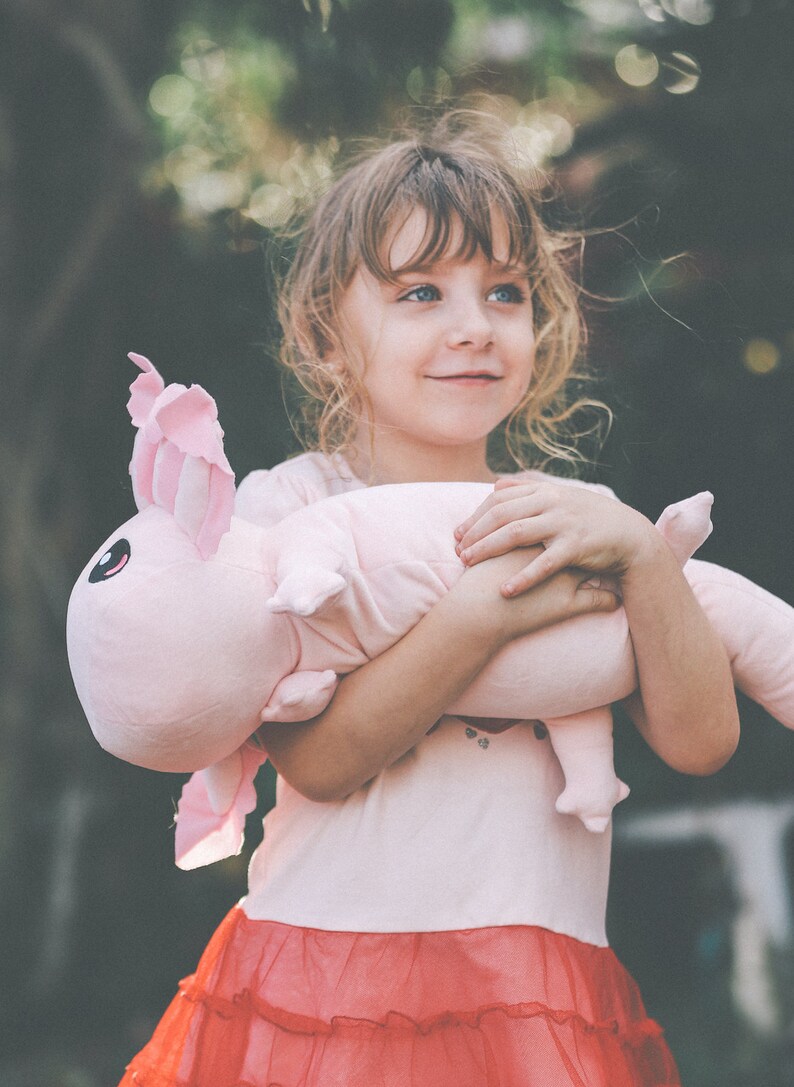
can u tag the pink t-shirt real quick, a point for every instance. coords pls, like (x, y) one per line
(459, 833)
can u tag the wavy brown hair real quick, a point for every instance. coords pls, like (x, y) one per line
(463, 172)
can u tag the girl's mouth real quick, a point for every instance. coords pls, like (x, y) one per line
(473, 378)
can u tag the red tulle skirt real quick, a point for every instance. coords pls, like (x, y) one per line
(271, 1005)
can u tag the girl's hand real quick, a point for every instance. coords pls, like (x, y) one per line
(574, 525)
(685, 707)
(481, 603)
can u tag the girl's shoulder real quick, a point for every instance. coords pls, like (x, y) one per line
(267, 495)
(535, 475)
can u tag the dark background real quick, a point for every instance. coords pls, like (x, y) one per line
(132, 220)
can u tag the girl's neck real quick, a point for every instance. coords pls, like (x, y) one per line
(395, 459)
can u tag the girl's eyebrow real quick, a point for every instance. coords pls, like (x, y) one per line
(498, 268)
(510, 269)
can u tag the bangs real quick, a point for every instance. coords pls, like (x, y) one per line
(469, 207)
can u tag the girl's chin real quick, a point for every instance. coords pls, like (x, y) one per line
(458, 440)
(462, 428)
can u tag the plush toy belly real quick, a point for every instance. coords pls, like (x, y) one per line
(359, 570)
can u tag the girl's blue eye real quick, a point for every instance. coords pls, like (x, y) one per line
(507, 292)
(424, 293)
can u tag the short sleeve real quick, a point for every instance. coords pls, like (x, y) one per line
(266, 497)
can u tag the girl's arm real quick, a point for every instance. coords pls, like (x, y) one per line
(685, 707)
(383, 709)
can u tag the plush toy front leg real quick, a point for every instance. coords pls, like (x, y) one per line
(307, 581)
(300, 696)
(583, 745)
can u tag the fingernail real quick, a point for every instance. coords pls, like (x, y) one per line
(458, 534)
(465, 555)
(508, 588)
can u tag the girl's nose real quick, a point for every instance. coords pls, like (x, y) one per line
(470, 327)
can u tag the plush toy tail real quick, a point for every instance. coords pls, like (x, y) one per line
(178, 461)
(757, 630)
(210, 818)
(687, 524)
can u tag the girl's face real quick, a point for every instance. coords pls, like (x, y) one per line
(448, 353)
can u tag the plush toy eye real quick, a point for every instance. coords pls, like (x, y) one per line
(112, 562)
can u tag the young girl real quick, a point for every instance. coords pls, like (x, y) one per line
(418, 914)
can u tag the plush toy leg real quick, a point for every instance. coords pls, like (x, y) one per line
(308, 589)
(300, 696)
(583, 744)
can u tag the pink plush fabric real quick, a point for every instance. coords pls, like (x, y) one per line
(178, 460)
(214, 805)
(177, 657)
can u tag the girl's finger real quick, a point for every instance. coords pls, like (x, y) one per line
(493, 500)
(548, 562)
(500, 515)
(504, 482)
(521, 532)
(590, 599)
(481, 510)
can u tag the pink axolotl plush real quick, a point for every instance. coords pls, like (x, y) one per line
(189, 627)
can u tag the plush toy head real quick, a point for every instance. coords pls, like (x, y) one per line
(191, 695)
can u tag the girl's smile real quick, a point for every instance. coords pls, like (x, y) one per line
(445, 352)
(475, 378)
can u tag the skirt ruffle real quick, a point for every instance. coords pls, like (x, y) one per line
(272, 1005)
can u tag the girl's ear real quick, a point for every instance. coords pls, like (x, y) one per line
(333, 364)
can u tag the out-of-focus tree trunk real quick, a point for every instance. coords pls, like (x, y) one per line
(72, 139)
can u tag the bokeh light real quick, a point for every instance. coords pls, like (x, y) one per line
(204, 61)
(508, 39)
(213, 191)
(552, 133)
(680, 73)
(172, 95)
(307, 169)
(540, 136)
(652, 10)
(271, 206)
(695, 12)
(761, 356)
(636, 66)
(607, 12)
(185, 163)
